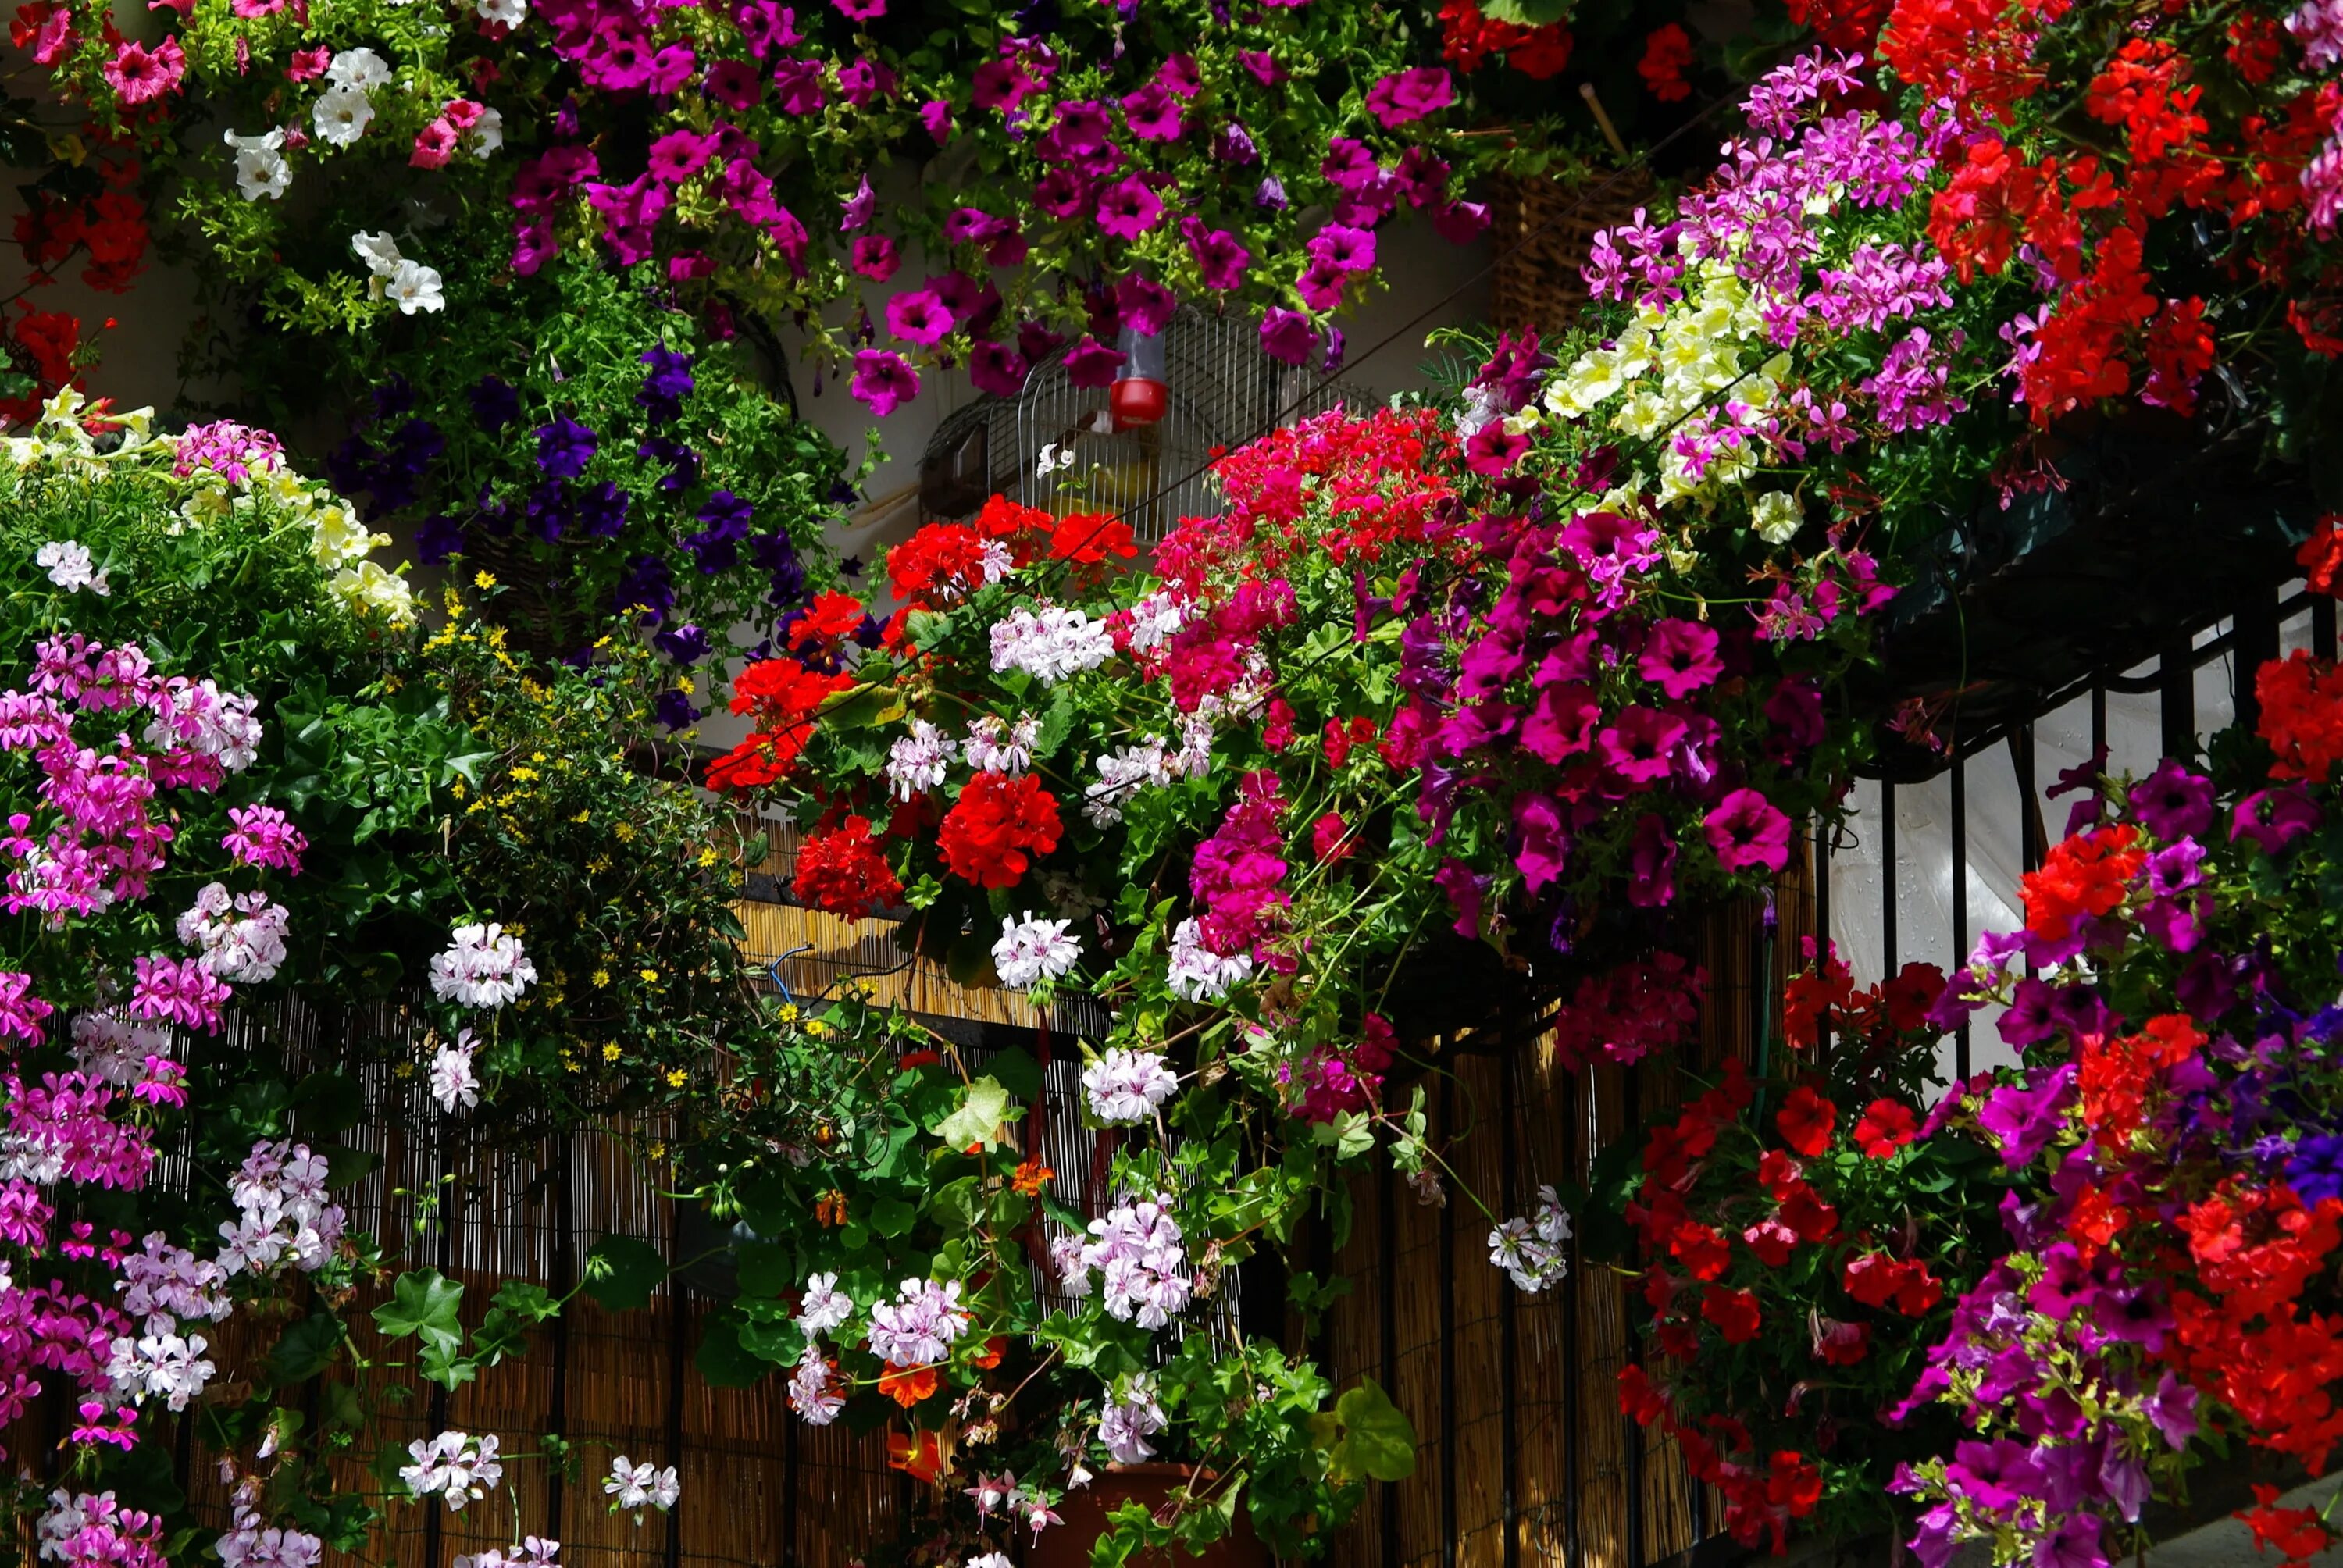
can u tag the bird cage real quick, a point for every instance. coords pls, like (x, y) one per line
(1223, 392)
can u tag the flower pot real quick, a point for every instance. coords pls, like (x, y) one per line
(1084, 1513)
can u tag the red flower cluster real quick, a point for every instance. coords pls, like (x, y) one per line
(2299, 1534)
(1666, 53)
(1382, 477)
(2117, 1075)
(996, 826)
(2085, 218)
(2083, 877)
(1469, 39)
(844, 873)
(946, 561)
(783, 695)
(1878, 1281)
(1622, 1015)
(1762, 1498)
(2302, 715)
(1825, 997)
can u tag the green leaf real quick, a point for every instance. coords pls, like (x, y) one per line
(328, 1102)
(766, 1269)
(423, 1302)
(305, 1350)
(979, 1118)
(621, 1272)
(1016, 1071)
(448, 1369)
(891, 1216)
(724, 1360)
(1378, 1440)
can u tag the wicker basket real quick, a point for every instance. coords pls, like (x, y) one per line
(1542, 229)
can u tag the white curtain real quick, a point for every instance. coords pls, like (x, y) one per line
(1923, 870)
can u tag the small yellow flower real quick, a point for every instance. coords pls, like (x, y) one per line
(677, 1078)
(624, 832)
(484, 580)
(611, 1052)
(657, 1150)
(789, 1012)
(708, 856)
(601, 979)
(651, 976)
(582, 816)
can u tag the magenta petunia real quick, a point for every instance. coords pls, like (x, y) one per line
(936, 118)
(1680, 658)
(1128, 208)
(1091, 363)
(875, 257)
(735, 84)
(1639, 746)
(1492, 449)
(998, 369)
(1651, 863)
(1544, 847)
(883, 379)
(860, 10)
(680, 154)
(797, 83)
(1152, 114)
(1221, 258)
(1563, 721)
(1146, 305)
(919, 316)
(1409, 95)
(1746, 830)
(1287, 336)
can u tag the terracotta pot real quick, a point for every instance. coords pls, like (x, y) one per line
(1067, 1545)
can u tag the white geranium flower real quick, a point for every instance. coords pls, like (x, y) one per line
(341, 117)
(71, 567)
(511, 13)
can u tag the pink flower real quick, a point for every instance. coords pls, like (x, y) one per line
(1220, 259)
(1640, 744)
(1747, 830)
(434, 143)
(919, 316)
(138, 75)
(20, 1010)
(1492, 450)
(997, 368)
(875, 257)
(1287, 334)
(1409, 95)
(1091, 363)
(1128, 208)
(265, 836)
(1651, 863)
(179, 991)
(734, 83)
(936, 116)
(860, 10)
(1680, 658)
(883, 379)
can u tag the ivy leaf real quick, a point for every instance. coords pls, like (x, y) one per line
(724, 1360)
(621, 1272)
(1378, 1440)
(423, 1302)
(446, 1368)
(305, 1350)
(979, 1118)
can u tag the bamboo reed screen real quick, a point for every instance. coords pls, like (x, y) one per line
(1525, 1458)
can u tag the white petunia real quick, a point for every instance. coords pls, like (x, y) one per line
(486, 135)
(360, 70)
(378, 251)
(341, 117)
(511, 13)
(415, 288)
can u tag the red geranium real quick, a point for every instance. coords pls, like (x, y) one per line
(996, 826)
(844, 873)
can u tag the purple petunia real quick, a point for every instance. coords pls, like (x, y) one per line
(1128, 208)
(564, 447)
(2173, 802)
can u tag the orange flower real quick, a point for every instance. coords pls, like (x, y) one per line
(907, 1386)
(918, 1455)
(1031, 1177)
(829, 1208)
(991, 1356)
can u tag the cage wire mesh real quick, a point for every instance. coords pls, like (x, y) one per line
(1224, 391)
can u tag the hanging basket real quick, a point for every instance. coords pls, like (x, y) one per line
(1542, 229)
